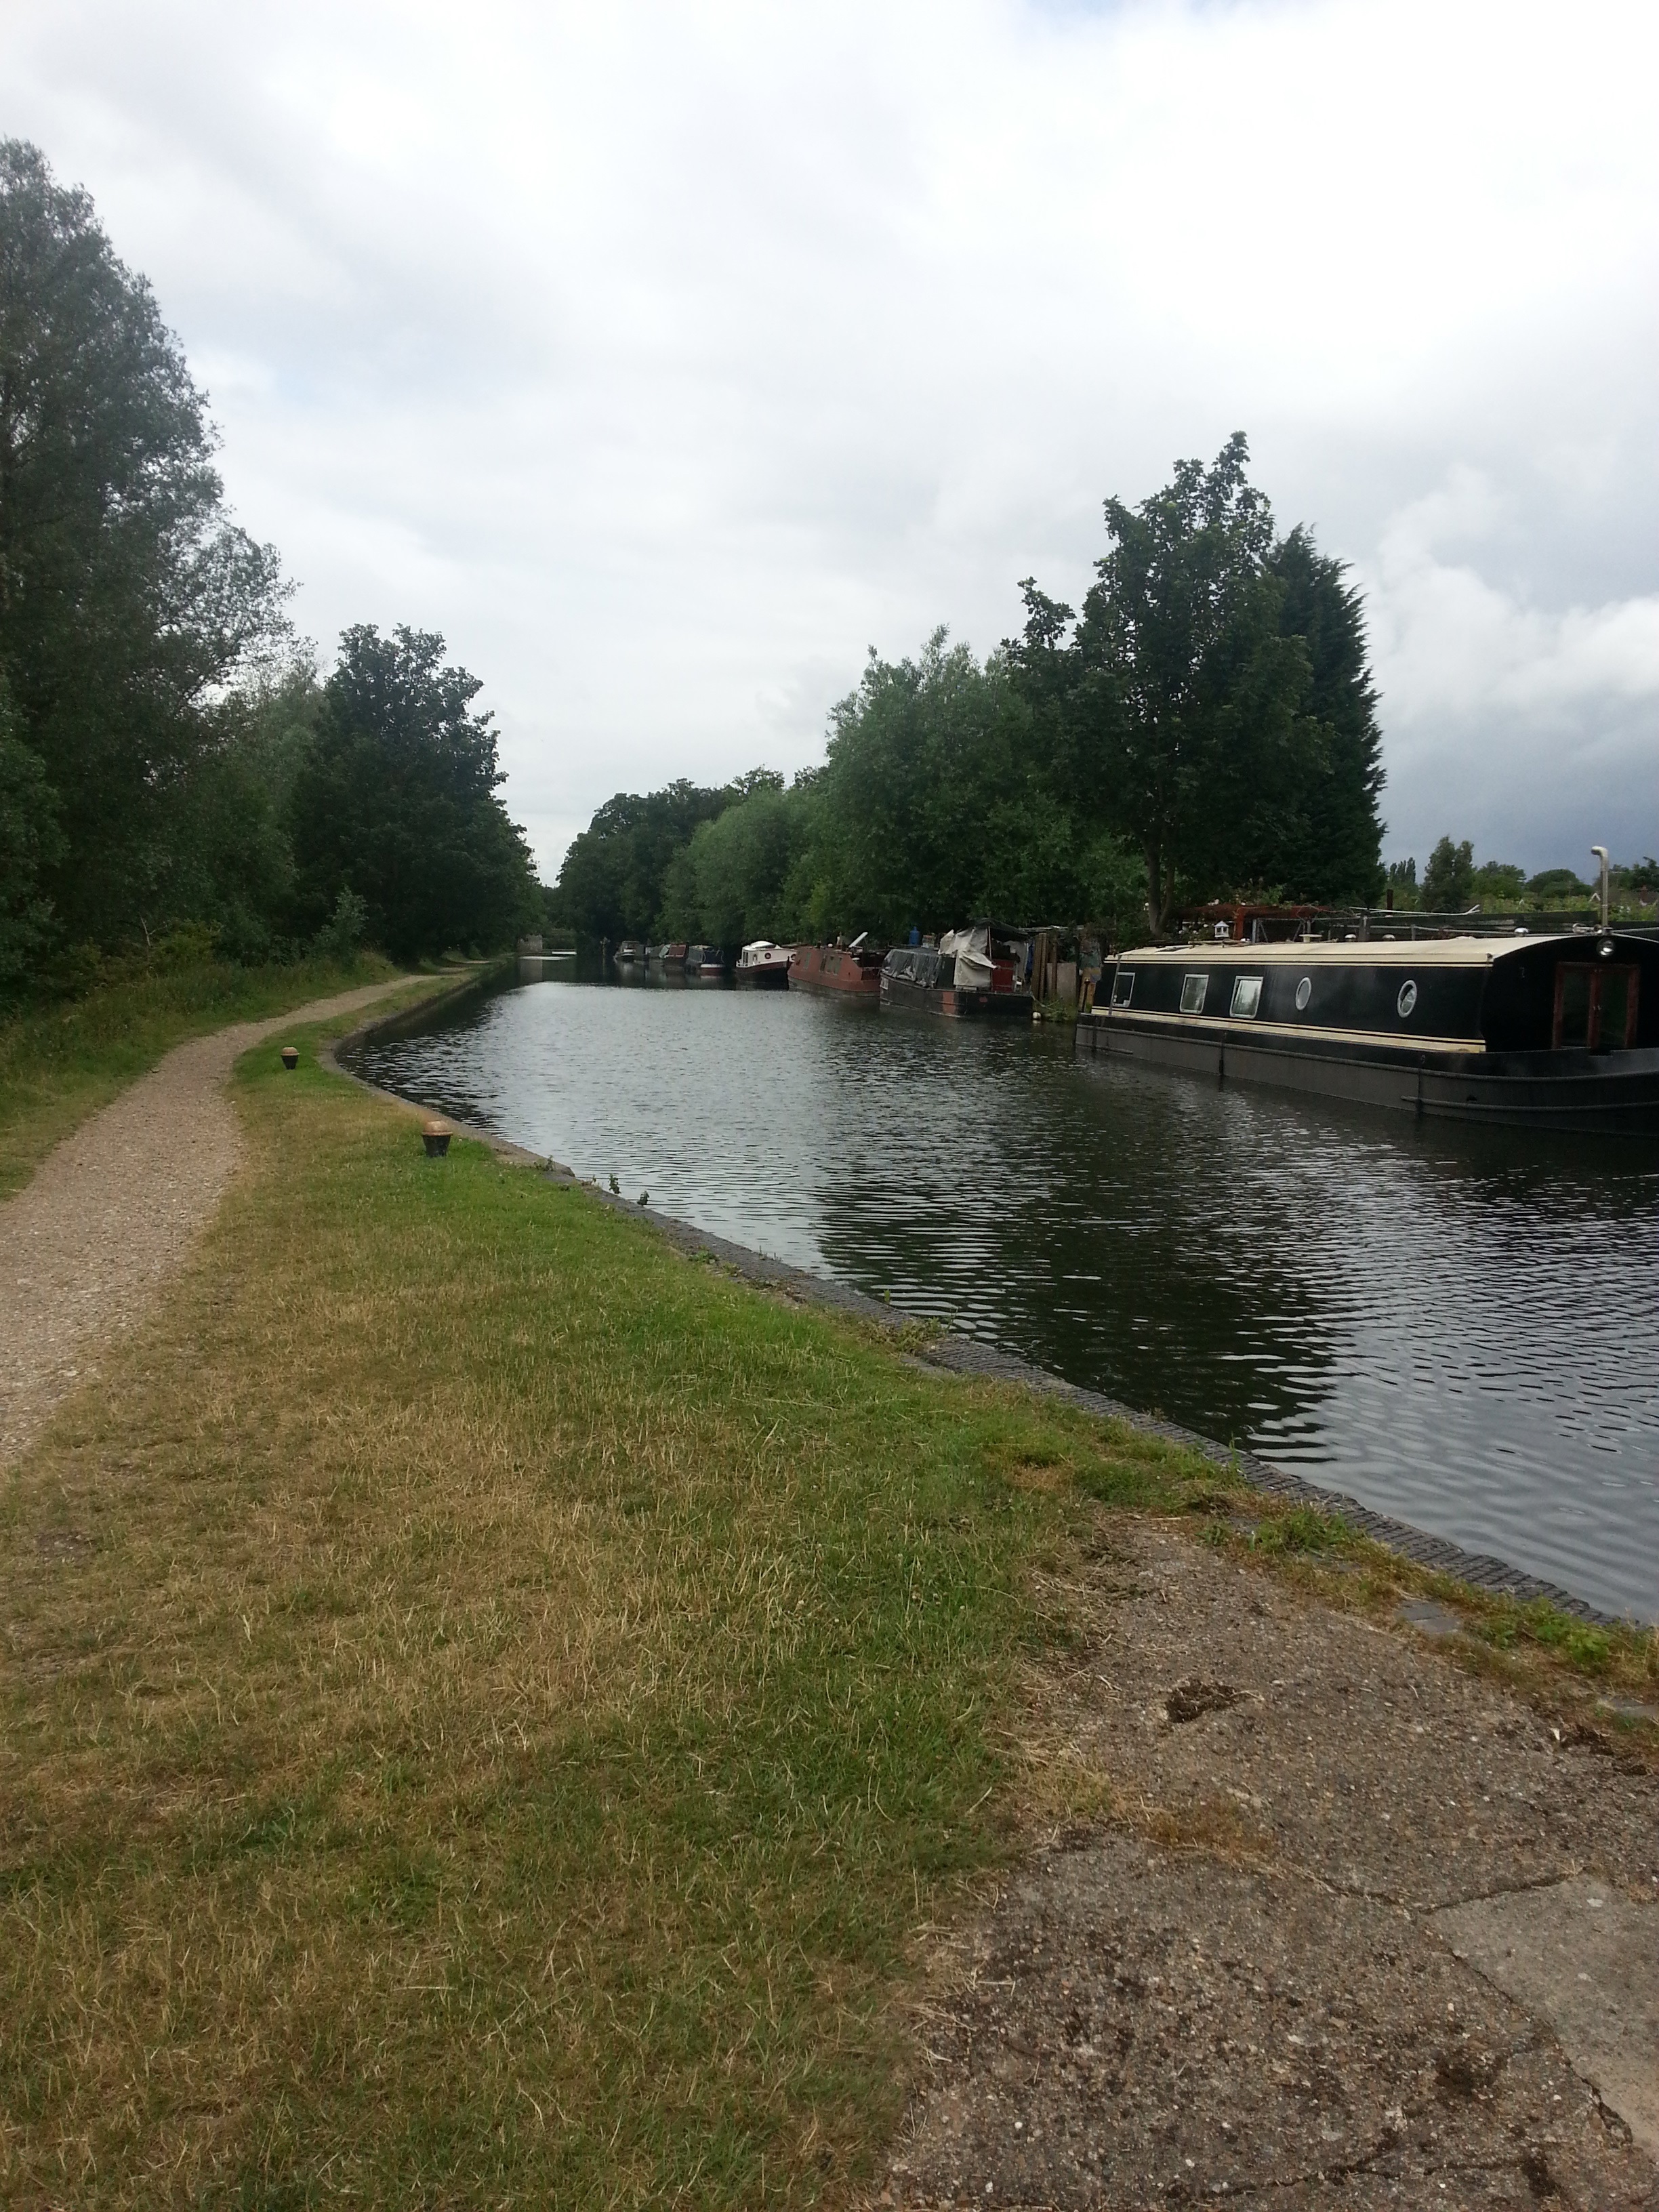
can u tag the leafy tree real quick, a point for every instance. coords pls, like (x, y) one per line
(1181, 705)
(1499, 885)
(1334, 852)
(1558, 888)
(735, 878)
(1401, 881)
(939, 800)
(1448, 878)
(614, 877)
(30, 840)
(396, 804)
(128, 601)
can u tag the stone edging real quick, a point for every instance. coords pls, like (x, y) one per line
(962, 1355)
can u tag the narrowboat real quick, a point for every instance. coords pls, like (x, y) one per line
(670, 958)
(1556, 1032)
(763, 966)
(629, 954)
(706, 963)
(975, 973)
(850, 970)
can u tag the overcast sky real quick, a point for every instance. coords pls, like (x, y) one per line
(667, 358)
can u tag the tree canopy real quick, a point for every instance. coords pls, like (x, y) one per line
(128, 598)
(167, 756)
(1212, 703)
(395, 804)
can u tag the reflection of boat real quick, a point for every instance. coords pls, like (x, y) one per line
(853, 969)
(707, 961)
(763, 966)
(1558, 1032)
(972, 975)
(629, 954)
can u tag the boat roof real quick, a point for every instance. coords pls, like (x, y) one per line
(1370, 952)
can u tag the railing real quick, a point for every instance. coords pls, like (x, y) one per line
(1244, 924)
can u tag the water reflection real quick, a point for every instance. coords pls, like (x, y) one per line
(1459, 1326)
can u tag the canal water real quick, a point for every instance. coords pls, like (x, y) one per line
(1459, 1327)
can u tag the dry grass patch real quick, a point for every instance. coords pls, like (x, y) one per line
(487, 1705)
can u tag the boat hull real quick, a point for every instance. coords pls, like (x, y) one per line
(834, 971)
(899, 996)
(1614, 1093)
(771, 977)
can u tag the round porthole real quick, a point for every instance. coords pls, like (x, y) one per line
(1407, 1001)
(1304, 993)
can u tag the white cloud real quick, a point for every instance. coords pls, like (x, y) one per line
(1535, 730)
(666, 356)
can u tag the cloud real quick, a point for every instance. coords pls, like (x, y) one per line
(665, 357)
(1534, 730)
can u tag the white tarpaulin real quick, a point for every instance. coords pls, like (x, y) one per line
(972, 949)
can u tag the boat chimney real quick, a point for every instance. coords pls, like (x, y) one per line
(1600, 853)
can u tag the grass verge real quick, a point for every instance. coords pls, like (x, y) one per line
(59, 1062)
(489, 1703)
(490, 1706)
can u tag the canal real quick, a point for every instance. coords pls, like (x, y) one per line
(1461, 1327)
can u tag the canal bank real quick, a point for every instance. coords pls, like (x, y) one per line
(511, 1709)
(1449, 1329)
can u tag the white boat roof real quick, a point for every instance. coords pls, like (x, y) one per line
(1322, 952)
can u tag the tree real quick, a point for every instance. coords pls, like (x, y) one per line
(1448, 878)
(1401, 882)
(128, 601)
(30, 842)
(1181, 703)
(614, 878)
(396, 803)
(735, 880)
(1337, 855)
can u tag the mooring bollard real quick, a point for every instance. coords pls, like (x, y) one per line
(290, 1057)
(436, 1138)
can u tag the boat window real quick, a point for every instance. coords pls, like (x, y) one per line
(1575, 988)
(1124, 987)
(1192, 988)
(1247, 997)
(1304, 993)
(1407, 1001)
(1616, 1026)
(1595, 1008)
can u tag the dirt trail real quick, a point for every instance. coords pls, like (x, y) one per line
(1359, 1928)
(86, 1246)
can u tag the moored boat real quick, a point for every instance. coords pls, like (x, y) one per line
(763, 966)
(670, 958)
(1557, 1031)
(850, 970)
(630, 953)
(975, 973)
(707, 963)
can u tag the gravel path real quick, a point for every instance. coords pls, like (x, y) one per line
(111, 1213)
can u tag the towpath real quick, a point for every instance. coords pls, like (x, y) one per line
(89, 1242)
(1350, 1925)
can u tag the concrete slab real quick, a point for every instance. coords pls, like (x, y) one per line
(1431, 1618)
(1584, 1956)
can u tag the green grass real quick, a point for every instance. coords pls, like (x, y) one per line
(491, 1705)
(62, 1060)
(491, 1708)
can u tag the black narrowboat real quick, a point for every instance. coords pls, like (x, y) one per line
(1557, 1031)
